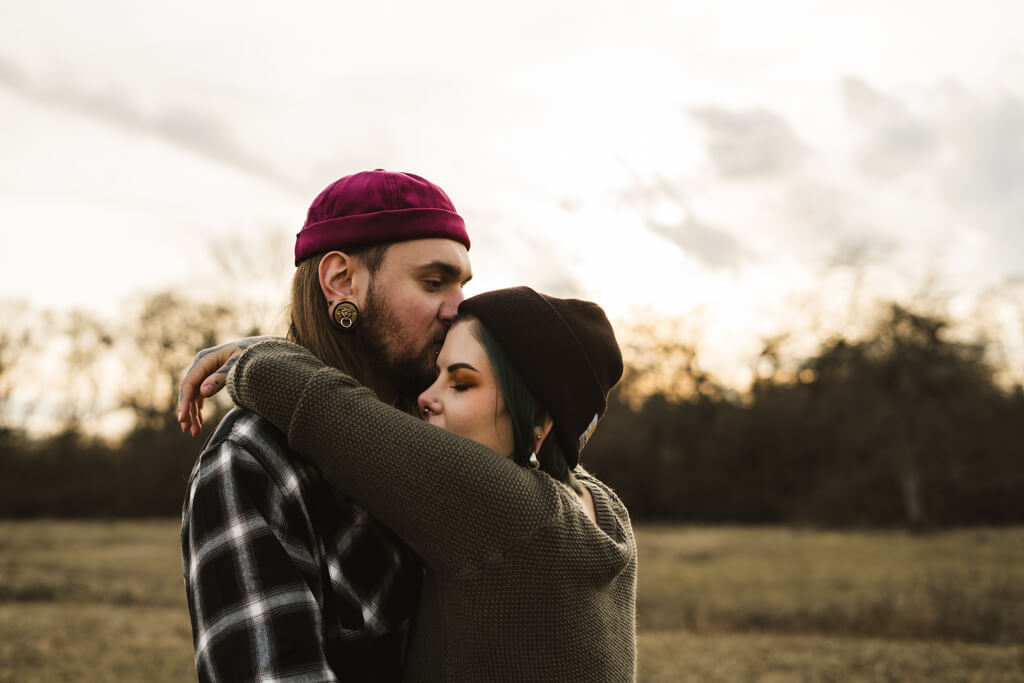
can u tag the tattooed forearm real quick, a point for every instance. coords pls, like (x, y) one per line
(220, 376)
(238, 347)
(222, 372)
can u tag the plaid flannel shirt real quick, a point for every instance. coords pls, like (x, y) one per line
(287, 580)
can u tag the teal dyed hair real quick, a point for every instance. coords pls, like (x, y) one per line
(525, 411)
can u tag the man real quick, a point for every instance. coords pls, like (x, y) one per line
(286, 580)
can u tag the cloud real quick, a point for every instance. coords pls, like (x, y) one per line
(986, 175)
(186, 129)
(668, 213)
(989, 139)
(970, 145)
(822, 208)
(749, 143)
(959, 153)
(709, 244)
(897, 140)
(925, 178)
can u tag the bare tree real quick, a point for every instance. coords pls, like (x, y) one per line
(253, 272)
(16, 342)
(88, 339)
(160, 344)
(661, 358)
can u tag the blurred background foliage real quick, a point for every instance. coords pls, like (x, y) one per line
(905, 425)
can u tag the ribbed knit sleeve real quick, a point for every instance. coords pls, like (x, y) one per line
(457, 503)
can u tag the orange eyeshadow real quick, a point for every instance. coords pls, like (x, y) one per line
(462, 376)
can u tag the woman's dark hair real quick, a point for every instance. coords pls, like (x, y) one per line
(525, 411)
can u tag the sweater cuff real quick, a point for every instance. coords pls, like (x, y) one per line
(269, 379)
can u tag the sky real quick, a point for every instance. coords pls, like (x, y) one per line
(739, 165)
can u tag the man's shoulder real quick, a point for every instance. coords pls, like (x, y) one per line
(247, 430)
(245, 442)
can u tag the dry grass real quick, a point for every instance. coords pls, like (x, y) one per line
(92, 601)
(97, 601)
(117, 563)
(94, 642)
(963, 585)
(682, 657)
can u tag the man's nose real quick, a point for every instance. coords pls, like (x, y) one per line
(450, 305)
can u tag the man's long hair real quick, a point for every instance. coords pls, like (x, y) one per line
(310, 323)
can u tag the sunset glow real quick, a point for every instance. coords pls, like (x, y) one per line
(720, 162)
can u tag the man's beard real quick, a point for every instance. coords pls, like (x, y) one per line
(408, 371)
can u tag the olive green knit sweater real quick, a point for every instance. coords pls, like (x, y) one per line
(520, 584)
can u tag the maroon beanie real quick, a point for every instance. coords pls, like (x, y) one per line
(565, 350)
(377, 207)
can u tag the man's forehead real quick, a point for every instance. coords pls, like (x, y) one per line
(441, 254)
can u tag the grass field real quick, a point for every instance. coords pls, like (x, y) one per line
(89, 601)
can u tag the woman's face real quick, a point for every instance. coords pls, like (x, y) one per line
(465, 398)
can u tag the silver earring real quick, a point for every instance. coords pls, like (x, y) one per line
(534, 462)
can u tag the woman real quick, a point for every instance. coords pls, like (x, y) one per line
(530, 561)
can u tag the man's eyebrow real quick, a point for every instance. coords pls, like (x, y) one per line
(450, 270)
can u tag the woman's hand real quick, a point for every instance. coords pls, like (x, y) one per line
(205, 377)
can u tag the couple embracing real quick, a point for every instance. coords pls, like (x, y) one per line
(398, 494)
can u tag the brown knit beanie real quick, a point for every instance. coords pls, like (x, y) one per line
(565, 350)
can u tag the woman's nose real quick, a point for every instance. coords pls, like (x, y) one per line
(425, 403)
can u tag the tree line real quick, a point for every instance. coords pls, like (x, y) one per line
(905, 427)
(902, 426)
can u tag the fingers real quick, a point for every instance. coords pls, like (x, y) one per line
(205, 377)
(214, 383)
(193, 388)
(190, 403)
(218, 380)
(191, 415)
(185, 406)
(196, 416)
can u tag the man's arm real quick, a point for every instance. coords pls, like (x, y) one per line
(254, 614)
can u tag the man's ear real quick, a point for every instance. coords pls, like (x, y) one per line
(343, 278)
(540, 433)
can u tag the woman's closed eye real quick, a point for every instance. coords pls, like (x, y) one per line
(462, 379)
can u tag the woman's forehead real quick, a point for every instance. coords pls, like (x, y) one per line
(462, 345)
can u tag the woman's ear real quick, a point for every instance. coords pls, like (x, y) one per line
(540, 433)
(342, 278)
